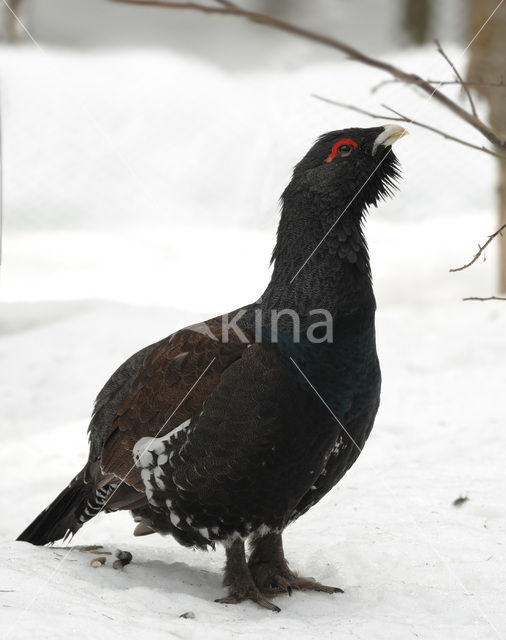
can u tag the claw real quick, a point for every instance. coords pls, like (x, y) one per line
(309, 584)
(324, 588)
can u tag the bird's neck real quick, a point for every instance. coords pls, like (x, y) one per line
(321, 295)
(320, 264)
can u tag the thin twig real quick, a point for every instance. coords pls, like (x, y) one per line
(484, 299)
(225, 3)
(481, 249)
(281, 25)
(443, 83)
(458, 76)
(402, 118)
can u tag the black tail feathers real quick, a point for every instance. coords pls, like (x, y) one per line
(75, 505)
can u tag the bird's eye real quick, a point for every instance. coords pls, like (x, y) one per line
(342, 148)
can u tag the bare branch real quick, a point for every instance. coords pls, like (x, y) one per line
(458, 76)
(484, 299)
(351, 52)
(402, 118)
(172, 5)
(443, 83)
(481, 249)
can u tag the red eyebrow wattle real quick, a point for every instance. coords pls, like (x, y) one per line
(339, 143)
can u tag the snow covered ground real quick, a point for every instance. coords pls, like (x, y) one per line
(140, 195)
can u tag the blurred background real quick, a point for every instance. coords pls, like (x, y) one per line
(121, 119)
(144, 153)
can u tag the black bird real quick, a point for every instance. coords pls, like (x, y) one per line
(229, 430)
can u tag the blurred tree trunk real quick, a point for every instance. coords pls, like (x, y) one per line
(12, 25)
(416, 19)
(488, 64)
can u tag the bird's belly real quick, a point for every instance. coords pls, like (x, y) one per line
(338, 460)
(263, 497)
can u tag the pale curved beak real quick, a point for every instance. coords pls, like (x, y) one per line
(391, 133)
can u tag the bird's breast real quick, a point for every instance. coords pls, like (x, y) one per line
(344, 370)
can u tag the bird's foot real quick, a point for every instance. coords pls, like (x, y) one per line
(252, 594)
(271, 573)
(239, 581)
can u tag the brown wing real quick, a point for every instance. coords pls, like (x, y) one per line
(170, 388)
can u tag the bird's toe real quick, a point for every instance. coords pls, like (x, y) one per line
(286, 582)
(310, 584)
(252, 595)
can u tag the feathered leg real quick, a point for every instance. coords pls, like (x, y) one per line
(270, 572)
(239, 581)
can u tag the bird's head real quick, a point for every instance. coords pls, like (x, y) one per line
(350, 167)
(343, 174)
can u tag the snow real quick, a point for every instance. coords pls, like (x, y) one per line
(122, 180)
